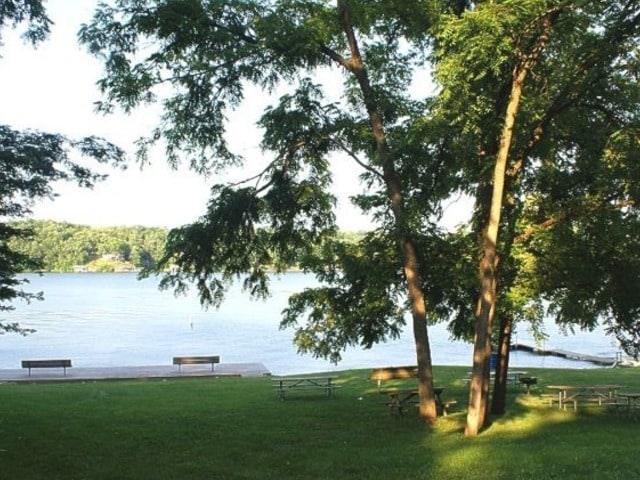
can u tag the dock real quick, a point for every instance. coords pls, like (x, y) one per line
(598, 360)
(166, 372)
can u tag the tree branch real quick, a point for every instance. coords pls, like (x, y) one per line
(568, 215)
(353, 155)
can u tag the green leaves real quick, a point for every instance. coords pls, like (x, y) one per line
(29, 164)
(31, 161)
(31, 12)
(359, 305)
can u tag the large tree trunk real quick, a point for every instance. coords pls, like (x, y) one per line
(477, 414)
(355, 65)
(479, 389)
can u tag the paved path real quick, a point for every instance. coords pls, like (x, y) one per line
(122, 373)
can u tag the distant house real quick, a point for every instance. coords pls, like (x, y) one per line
(80, 269)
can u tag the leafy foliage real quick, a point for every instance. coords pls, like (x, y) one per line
(571, 176)
(203, 56)
(30, 162)
(61, 247)
(31, 12)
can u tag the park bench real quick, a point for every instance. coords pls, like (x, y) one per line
(196, 360)
(53, 363)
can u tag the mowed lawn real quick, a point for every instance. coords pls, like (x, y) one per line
(237, 428)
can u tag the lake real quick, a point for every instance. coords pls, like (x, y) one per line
(113, 319)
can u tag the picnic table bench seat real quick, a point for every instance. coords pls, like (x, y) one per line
(196, 360)
(587, 400)
(390, 373)
(549, 398)
(63, 363)
(601, 395)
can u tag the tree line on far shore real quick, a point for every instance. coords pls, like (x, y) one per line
(67, 247)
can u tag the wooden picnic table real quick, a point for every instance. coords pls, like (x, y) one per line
(288, 384)
(513, 377)
(604, 393)
(397, 400)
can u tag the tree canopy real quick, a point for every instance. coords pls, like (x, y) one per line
(30, 162)
(545, 80)
(535, 100)
(197, 59)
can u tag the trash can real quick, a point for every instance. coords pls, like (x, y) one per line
(493, 361)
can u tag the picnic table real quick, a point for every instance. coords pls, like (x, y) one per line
(513, 377)
(605, 393)
(397, 400)
(288, 384)
(632, 400)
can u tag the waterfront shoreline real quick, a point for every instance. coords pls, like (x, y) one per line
(76, 374)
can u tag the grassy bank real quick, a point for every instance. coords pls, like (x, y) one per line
(236, 428)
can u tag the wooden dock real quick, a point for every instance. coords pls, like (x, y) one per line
(598, 360)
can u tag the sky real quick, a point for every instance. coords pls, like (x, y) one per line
(53, 88)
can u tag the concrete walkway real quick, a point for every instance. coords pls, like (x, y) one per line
(124, 373)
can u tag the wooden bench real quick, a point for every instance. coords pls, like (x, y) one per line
(196, 360)
(390, 373)
(53, 363)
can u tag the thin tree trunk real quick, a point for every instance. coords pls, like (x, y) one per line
(355, 65)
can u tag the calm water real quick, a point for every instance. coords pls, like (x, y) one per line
(114, 320)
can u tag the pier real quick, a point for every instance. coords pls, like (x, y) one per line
(598, 360)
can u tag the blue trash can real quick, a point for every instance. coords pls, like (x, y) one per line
(493, 361)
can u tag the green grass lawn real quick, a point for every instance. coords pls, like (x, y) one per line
(236, 428)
